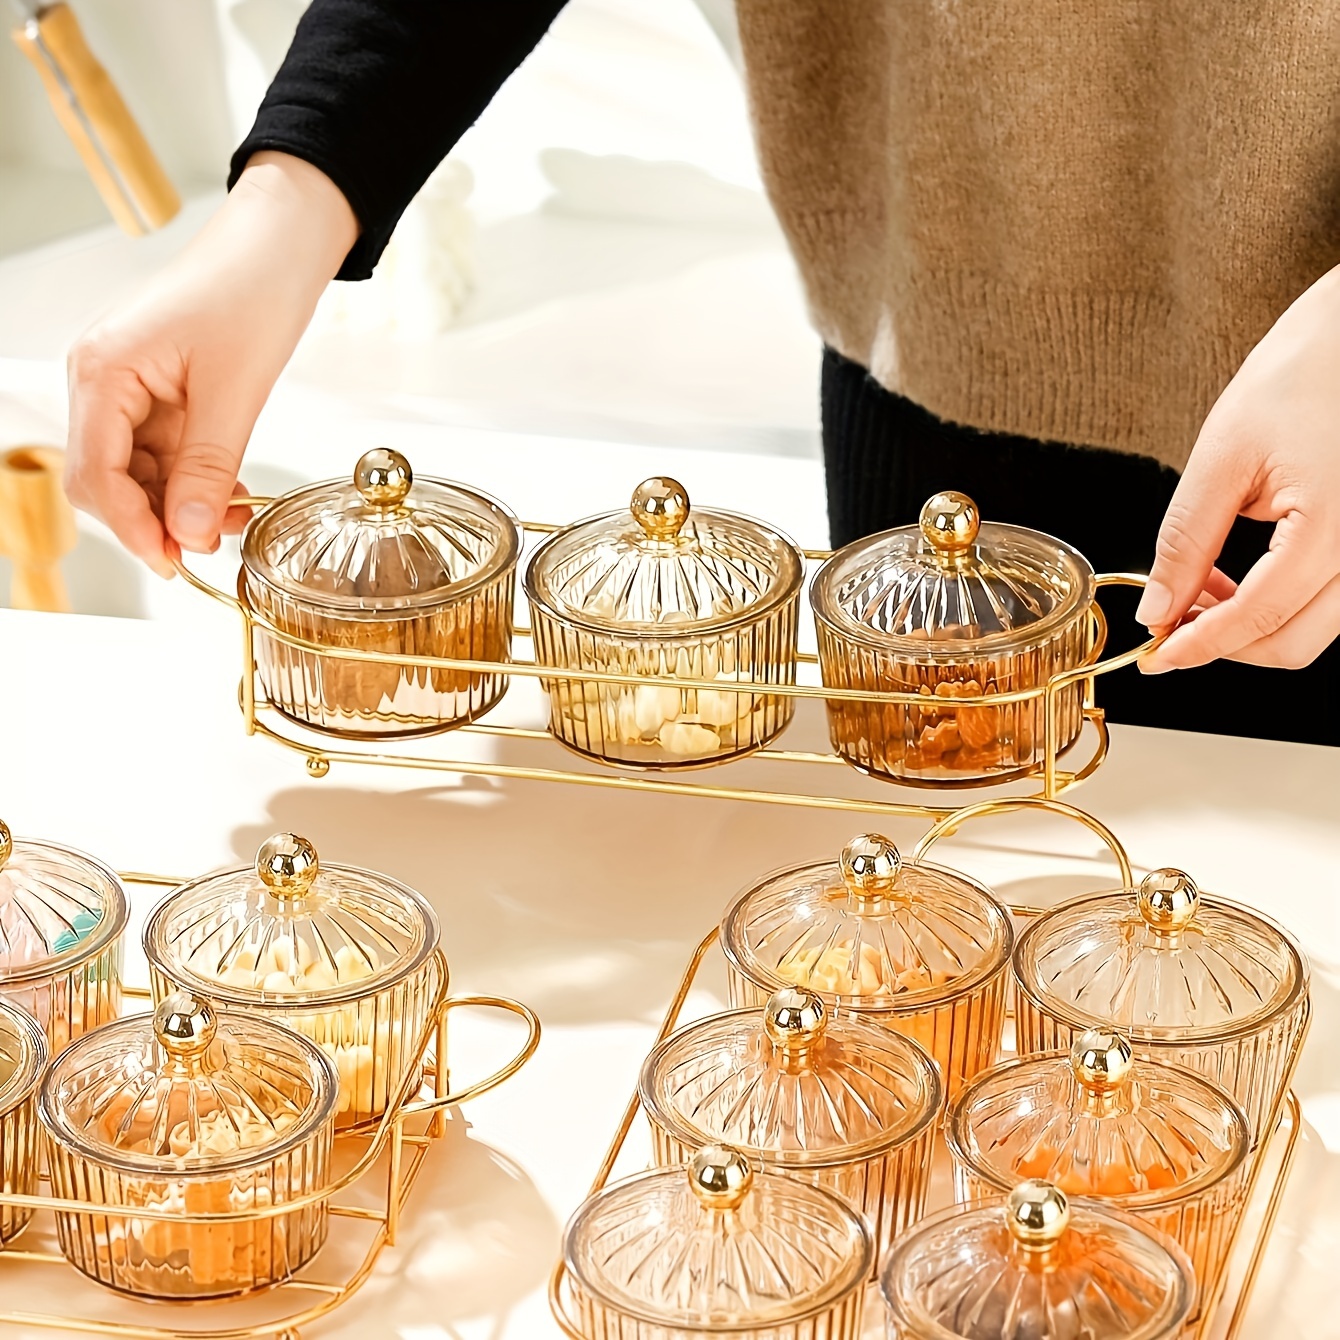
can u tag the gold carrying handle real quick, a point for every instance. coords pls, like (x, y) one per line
(499, 1076)
(128, 176)
(36, 527)
(951, 823)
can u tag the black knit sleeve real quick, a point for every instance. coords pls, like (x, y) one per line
(376, 92)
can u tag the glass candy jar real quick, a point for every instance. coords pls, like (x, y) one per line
(1162, 1142)
(839, 1103)
(382, 563)
(715, 1248)
(196, 1114)
(62, 915)
(23, 1056)
(916, 947)
(345, 956)
(1192, 981)
(1032, 1267)
(952, 609)
(672, 592)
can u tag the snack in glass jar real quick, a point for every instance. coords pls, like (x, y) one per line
(194, 1113)
(915, 947)
(670, 592)
(840, 1103)
(953, 609)
(62, 916)
(345, 956)
(1160, 1141)
(1191, 980)
(23, 1057)
(1030, 1266)
(715, 1247)
(383, 563)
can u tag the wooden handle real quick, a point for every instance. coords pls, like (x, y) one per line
(129, 178)
(36, 526)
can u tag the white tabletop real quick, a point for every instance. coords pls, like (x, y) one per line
(122, 737)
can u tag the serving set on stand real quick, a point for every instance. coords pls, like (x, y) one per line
(924, 1110)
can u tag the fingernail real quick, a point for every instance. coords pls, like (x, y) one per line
(1155, 605)
(193, 523)
(1157, 668)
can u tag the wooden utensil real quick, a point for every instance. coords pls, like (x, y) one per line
(128, 176)
(36, 527)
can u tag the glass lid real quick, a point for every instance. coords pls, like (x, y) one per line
(1031, 1267)
(716, 1247)
(290, 930)
(1097, 1122)
(187, 1088)
(58, 908)
(381, 541)
(869, 930)
(23, 1053)
(663, 567)
(791, 1086)
(952, 582)
(1162, 963)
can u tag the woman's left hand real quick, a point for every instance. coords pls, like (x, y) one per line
(1269, 450)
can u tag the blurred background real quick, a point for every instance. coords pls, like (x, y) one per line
(595, 263)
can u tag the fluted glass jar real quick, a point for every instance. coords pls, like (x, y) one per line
(62, 917)
(383, 563)
(664, 590)
(715, 1248)
(1030, 1266)
(23, 1057)
(1162, 1142)
(1192, 981)
(194, 1113)
(952, 609)
(911, 946)
(345, 956)
(840, 1103)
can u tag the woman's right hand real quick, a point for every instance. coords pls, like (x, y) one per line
(165, 391)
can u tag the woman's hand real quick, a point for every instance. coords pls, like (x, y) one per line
(164, 392)
(1269, 450)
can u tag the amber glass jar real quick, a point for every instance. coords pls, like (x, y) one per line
(914, 947)
(951, 610)
(668, 591)
(840, 1103)
(383, 563)
(196, 1113)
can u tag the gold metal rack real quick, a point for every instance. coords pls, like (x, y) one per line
(400, 1138)
(1279, 1147)
(261, 717)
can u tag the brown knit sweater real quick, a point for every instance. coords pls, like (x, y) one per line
(1069, 219)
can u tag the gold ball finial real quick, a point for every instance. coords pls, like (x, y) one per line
(720, 1177)
(870, 865)
(185, 1024)
(1037, 1213)
(950, 522)
(287, 864)
(1168, 900)
(383, 477)
(6, 844)
(1100, 1060)
(661, 507)
(794, 1019)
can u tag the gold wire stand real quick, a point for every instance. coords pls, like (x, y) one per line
(315, 745)
(413, 1121)
(1280, 1146)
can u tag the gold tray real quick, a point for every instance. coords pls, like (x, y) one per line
(1051, 779)
(1268, 1172)
(394, 1145)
